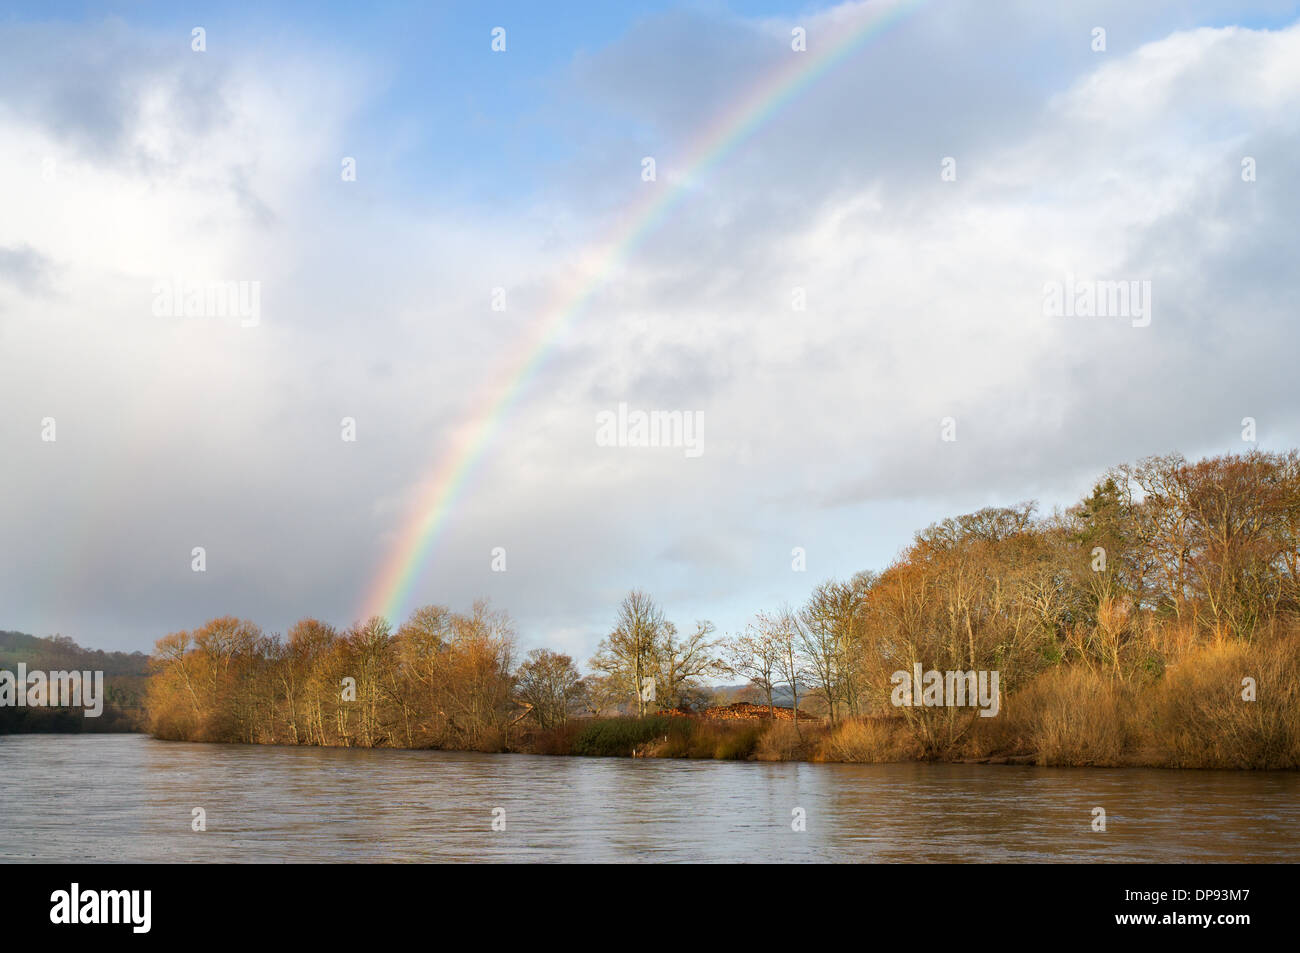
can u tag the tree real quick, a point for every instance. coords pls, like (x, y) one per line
(476, 685)
(755, 654)
(1236, 509)
(827, 628)
(550, 683)
(679, 662)
(627, 655)
(310, 640)
(367, 647)
(784, 629)
(421, 646)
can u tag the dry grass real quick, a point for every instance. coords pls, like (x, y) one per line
(870, 740)
(1199, 719)
(1072, 716)
(783, 742)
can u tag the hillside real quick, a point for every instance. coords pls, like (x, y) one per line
(125, 678)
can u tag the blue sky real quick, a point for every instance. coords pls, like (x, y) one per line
(130, 159)
(443, 118)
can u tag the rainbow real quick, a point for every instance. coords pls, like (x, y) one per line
(388, 594)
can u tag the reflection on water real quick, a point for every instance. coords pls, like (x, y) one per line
(129, 798)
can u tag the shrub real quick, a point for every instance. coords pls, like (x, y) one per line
(678, 741)
(1071, 715)
(553, 741)
(693, 738)
(738, 742)
(783, 742)
(869, 740)
(1199, 719)
(620, 737)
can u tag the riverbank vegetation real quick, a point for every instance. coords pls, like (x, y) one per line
(1156, 622)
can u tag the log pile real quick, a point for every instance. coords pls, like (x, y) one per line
(740, 711)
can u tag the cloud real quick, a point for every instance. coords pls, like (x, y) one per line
(25, 269)
(926, 297)
(924, 300)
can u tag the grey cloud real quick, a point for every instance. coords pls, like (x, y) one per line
(921, 303)
(86, 86)
(26, 269)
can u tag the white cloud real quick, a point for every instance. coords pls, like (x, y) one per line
(822, 426)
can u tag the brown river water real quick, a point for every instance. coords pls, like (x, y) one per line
(129, 798)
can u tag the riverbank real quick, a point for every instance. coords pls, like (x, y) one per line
(812, 743)
(1072, 719)
(1233, 706)
(1085, 741)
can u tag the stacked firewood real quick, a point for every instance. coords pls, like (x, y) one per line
(739, 711)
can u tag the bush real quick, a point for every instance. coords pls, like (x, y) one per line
(869, 740)
(620, 737)
(737, 741)
(558, 740)
(1200, 720)
(1073, 716)
(694, 738)
(784, 742)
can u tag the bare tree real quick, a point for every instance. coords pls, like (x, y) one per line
(680, 661)
(755, 654)
(549, 683)
(790, 666)
(627, 654)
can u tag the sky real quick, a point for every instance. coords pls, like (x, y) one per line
(920, 197)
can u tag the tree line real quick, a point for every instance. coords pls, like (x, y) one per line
(1161, 558)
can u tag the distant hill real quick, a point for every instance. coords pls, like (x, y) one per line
(747, 692)
(125, 676)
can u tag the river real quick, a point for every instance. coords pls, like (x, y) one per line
(114, 798)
